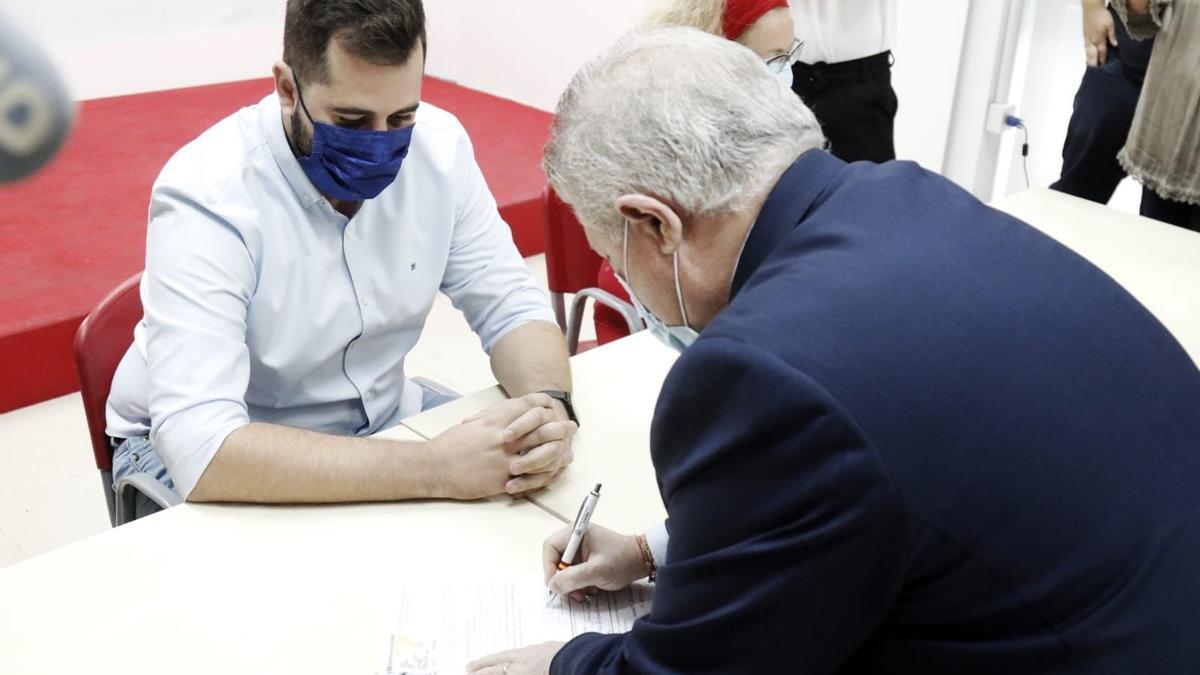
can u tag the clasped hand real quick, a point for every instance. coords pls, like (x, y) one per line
(514, 447)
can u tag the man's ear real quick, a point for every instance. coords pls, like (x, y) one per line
(652, 217)
(285, 87)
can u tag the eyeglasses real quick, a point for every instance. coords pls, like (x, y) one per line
(780, 63)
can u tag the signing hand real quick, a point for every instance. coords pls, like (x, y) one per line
(607, 561)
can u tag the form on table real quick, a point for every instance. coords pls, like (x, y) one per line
(440, 628)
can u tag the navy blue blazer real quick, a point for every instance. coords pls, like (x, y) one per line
(923, 438)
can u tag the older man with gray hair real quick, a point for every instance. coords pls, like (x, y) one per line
(908, 433)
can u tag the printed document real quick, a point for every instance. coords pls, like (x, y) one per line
(440, 628)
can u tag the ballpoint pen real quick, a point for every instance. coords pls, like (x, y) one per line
(578, 531)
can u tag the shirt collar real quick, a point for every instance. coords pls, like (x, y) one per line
(271, 122)
(789, 203)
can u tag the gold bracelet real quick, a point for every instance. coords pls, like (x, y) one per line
(647, 557)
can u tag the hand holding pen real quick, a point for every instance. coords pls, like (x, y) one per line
(575, 539)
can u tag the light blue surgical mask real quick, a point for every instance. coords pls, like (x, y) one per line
(781, 66)
(678, 338)
(785, 76)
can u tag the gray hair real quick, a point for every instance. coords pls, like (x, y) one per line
(693, 119)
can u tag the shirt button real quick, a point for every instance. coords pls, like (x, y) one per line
(364, 302)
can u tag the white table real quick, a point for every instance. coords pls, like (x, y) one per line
(616, 388)
(256, 590)
(1158, 264)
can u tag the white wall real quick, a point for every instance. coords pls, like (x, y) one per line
(114, 47)
(1050, 63)
(929, 35)
(524, 50)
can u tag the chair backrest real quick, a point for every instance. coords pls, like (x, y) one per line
(100, 343)
(571, 265)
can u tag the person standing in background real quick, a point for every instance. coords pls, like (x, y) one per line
(763, 26)
(845, 74)
(1104, 105)
(1163, 149)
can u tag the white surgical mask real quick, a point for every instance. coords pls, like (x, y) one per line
(678, 338)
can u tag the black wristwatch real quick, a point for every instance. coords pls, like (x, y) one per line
(565, 398)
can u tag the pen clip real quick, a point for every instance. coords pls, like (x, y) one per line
(582, 505)
(579, 513)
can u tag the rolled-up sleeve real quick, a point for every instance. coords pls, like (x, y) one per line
(1143, 26)
(485, 276)
(196, 289)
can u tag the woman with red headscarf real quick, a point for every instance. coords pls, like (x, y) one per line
(763, 26)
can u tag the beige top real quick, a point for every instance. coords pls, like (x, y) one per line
(1163, 148)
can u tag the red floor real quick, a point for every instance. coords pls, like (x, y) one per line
(78, 228)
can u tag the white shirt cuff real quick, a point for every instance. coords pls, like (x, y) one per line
(657, 538)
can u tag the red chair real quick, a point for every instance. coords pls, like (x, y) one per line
(572, 267)
(100, 343)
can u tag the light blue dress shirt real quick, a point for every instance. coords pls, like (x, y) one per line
(262, 303)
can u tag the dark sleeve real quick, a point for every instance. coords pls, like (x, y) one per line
(787, 540)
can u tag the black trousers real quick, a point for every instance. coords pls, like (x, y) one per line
(1176, 213)
(1104, 107)
(855, 103)
(1100, 123)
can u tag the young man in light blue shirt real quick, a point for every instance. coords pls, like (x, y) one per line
(294, 250)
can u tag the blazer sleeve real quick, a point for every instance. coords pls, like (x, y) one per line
(787, 541)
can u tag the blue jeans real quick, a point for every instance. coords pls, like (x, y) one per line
(432, 399)
(135, 455)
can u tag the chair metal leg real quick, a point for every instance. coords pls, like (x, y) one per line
(110, 499)
(129, 487)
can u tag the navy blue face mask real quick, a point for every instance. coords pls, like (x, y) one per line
(353, 164)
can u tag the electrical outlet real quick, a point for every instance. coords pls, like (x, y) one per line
(996, 116)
